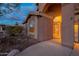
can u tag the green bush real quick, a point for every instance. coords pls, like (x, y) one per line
(15, 30)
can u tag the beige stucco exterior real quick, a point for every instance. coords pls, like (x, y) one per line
(43, 23)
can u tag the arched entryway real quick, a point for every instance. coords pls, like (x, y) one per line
(55, 22)
(54, 10)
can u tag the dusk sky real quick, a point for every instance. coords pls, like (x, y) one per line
(18, 14)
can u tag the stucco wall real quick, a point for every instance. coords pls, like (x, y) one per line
(34, 19)
(41, 6)
(67, 25)
(44, 29)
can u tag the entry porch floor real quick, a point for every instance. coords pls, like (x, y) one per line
(48, 48)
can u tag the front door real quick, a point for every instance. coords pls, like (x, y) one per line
(57, 22)
(76, 32)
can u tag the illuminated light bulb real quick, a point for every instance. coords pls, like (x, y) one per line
(31, 25)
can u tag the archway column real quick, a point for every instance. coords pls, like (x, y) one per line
(67, 25)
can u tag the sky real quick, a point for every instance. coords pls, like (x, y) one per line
(18, 15)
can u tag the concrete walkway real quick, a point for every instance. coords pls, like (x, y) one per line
(75, 52)
(46, 48)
